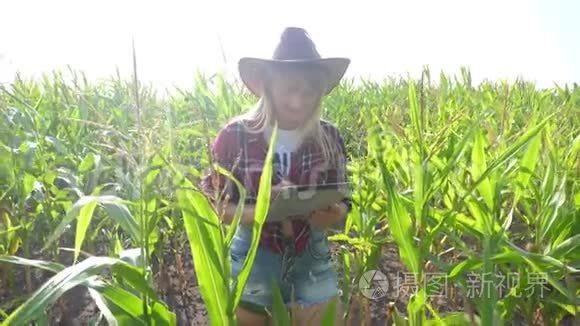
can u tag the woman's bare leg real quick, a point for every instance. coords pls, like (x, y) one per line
(249, 318)
(312, 314)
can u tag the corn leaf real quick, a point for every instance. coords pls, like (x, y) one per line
(126, 306)
(400, 223)
(260, 213)
(83, 220)
(330, 313)
(113, 205)
(41, 264)
(510, 152)
(56, 286)
(206, 244)
(478, 166)
(564, 248)
(280, 314)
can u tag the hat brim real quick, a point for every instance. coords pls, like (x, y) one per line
(252, 70)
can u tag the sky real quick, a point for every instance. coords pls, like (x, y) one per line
(536, 40)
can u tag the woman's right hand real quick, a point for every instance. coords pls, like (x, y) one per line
(277, 188)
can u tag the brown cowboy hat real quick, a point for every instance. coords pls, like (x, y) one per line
(295, 49)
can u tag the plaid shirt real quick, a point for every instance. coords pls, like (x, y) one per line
(243, 153)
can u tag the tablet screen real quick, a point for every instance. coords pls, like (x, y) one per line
(304, 199)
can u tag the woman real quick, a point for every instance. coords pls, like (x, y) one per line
(293, 253)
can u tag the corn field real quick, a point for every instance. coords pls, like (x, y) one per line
(475, 186)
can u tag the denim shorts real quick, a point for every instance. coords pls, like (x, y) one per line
(312, 279)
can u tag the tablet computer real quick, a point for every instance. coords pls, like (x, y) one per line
(300, 201)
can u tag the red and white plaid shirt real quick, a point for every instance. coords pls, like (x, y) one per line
(243, 153)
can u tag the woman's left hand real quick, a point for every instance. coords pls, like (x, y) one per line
(324, 218)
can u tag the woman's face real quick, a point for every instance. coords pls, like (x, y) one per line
(294, 97)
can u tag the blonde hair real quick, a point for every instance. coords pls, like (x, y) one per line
(262, 115)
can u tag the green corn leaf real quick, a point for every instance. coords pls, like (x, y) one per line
(28, 184)
(419, 200)
(538, 258)
(41, 264)
(70, 216)
(488, 303)
(571, 309)
(557, 201)
(261, 211)
(43, 320)
(456, 319)
(120, 214)
(151, 176)
(460, 148)
(567, 246)
(56, 286)
(550, 278)
(83, 220)
(478, 166)
(510, 152)
(239, 208)
(113, 205)
(9, 232)
(476, 263)
(480, 215)
(400, 223)
(87, 163)
(436, 316)
(280, 314)
(207, 251)
(134, 276)
(103, 308)
(128, 308)
(415, 116)
(416, 307)
(442, 176)
(330, 313)
(399, 319)
(346, 263)
(529, 160)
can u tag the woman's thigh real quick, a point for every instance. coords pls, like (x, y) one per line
(265, 270)
(313, 314)
(315, 282)
(249, 318)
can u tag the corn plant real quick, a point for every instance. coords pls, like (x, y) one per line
(478, 208)
(465, 180)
